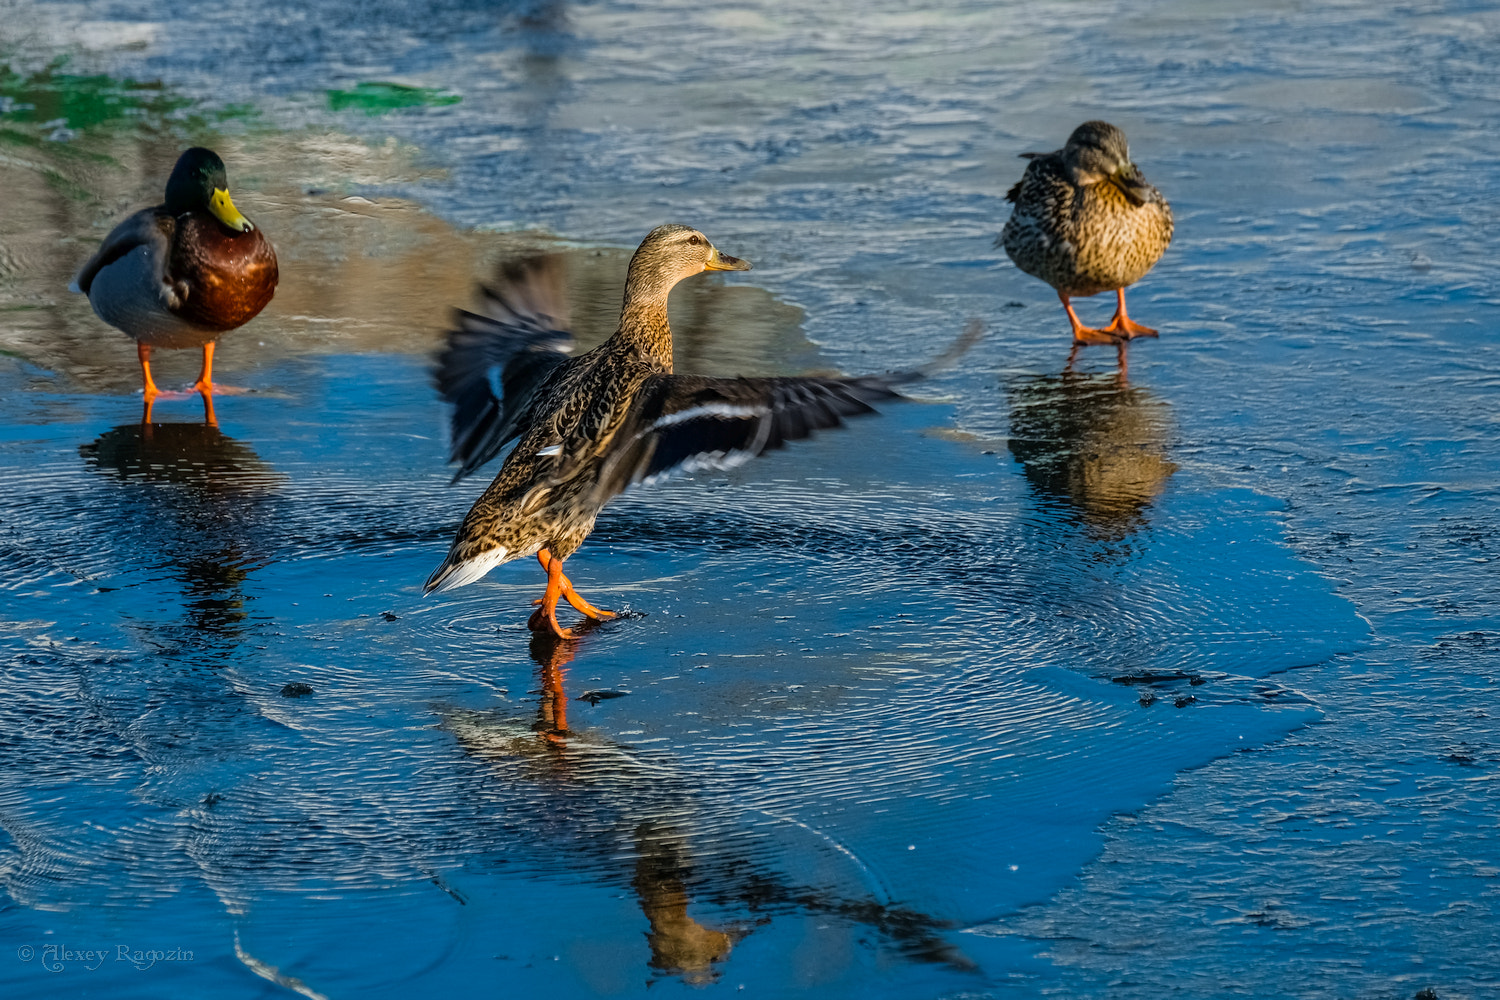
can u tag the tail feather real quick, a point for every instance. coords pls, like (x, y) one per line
(460, 572)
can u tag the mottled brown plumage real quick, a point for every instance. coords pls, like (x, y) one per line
(1086, 221)
(181, 274)
(587, 428)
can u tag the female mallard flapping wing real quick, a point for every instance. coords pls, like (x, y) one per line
(1087, 222)
(591, 426)
(183, 273)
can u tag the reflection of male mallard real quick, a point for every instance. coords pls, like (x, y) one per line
(184, 272)
(1087, 222)
(591, 426)
(204, 512)
(195, 455)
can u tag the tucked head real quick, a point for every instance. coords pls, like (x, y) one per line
(1097, 148)
(670, 253)
(199, 183)
(1097, 152)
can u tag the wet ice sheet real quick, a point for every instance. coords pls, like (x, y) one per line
(1325, 311)
(909, 726)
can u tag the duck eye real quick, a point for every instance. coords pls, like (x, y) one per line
(695, 241)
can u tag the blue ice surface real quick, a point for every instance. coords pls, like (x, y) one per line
(1327, 311)
(874, 705)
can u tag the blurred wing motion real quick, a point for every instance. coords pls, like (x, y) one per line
(497, 359)
(687, 423)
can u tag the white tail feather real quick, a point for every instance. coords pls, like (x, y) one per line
(461, 574)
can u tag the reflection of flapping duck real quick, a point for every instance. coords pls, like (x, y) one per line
(680, 945)
(197, 505)
(605, 802)
(1094, 442)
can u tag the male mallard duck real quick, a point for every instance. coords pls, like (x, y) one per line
(1087, 222)
(591, 426)
(183, 273)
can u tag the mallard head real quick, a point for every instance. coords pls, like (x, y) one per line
(670, 253)
(199, 182)
(1097, 152)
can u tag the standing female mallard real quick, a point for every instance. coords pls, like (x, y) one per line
(1087, 222)
(183, 273)
(591, 426)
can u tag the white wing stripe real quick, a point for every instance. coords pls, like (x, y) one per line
(722, 410)
(716, 460)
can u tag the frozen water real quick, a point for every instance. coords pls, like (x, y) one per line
(873, 742)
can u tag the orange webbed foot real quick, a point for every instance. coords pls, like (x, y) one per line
(1085, 334)
(543, 621)
(1089, 335)
(1124, 326)
(584, 607)
(219, 388)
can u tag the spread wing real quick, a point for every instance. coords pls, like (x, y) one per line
(148, 227)
(687, 423)
(496, 360)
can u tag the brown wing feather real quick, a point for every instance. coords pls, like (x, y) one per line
(499, 362)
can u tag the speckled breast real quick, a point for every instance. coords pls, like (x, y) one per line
(1117, 242)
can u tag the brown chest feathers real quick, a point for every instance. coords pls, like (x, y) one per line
(231, 275)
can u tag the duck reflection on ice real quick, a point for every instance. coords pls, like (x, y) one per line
(551, 655)
(679, 944)
(193, 498)
(1094, 442)
(628, 818)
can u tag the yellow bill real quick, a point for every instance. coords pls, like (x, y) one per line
(226, 213)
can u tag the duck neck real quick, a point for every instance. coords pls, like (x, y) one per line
(644, 329)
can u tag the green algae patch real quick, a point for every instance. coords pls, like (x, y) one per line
(53, 97)
(380, 98)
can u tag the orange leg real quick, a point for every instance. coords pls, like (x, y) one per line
(546, 615)
(572, 596)
(1083, 334)
(149, 390)
(205, 383)
(1122, 325)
